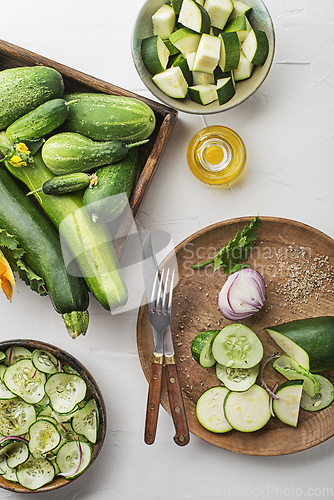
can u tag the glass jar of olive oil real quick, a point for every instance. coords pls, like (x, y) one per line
(216, 155)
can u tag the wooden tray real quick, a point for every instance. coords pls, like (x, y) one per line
(281, 243)
(12, 56)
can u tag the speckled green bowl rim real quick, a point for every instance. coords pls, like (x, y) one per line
(259, 18)
(70, 360)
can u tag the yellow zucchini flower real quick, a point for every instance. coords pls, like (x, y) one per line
(22, 148)
(16, 161)
(7, 280)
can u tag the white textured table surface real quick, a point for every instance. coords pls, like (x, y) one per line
(288, 129)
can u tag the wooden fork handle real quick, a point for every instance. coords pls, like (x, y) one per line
(153, 399)
(176, 402)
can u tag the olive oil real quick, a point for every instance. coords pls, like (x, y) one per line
(216, 155)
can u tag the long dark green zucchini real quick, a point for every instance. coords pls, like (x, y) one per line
(89, 243)
(43, 253)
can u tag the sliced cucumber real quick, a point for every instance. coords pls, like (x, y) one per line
(203, 94)
(155, 54)
(16, 416)
(288, 367)
(237, 346)
(68, 458)
(43, 437)
(203, 78)
(237, 379)
(2, 356)
(25, 381)
(210, 410)
(194, 16)
(229, 51)
(240, 25)
(244, 70)
(4, 392)
(17, 453)
(256, 47)
(201, 348)
(44, 361)
(247, 411)
(239, 9)
(225, 89)
(219, 12)
(286, 408)
(16, 353)
(185, 40)
(35, 473)
(85, 421)
(65, 391)
(207, 54)
(8, 473)
(163, 21)
(172, 82)
(322, 399)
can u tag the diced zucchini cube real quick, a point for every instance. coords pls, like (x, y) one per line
(239, 9)
(203, 94)
(208, 53)
(225, 90)
(229, 51)
(240, 24)
(203, 78)
(185, 40)
(163, 21)
(219, 12)
(155, 54)
(194, 16)
(244, 69)
(256, 47)
(172, 82)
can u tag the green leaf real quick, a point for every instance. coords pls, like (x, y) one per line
(233, 255)
(15, 256)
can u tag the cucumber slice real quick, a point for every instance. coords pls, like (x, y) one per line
(237, 379)
(210, 410)
(288, 367)
(244, 70)
(25, 381)
(181, 61)
(44, 361)
(86, 421)
(17, 453)
(172, 82)
(16, 353)
(68, 458)
(219, 12)
(65, 391)
(163, 21)
(194, 16)
(237, 346)
(201, 348)
(155, 54)
(35, 473)
(256, 47)
(322, 399)
(247, 411)
(286, 408)
(207, 54)
(8, 473)
(203, 94)
(225, 90)
(43, 437)
(239, 9)
(16, 416)
(4, 392)
(240, 25)
(185, 40)
(229, 51)
(203, 78)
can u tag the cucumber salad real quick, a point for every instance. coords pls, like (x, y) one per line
(201, 49)
(48, 418)
(241, 399)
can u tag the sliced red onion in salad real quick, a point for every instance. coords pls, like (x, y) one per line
(243, 294)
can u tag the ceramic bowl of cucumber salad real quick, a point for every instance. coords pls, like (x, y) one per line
(52, 417)
(205, 56)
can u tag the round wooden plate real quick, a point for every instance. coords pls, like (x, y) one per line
(296, 262)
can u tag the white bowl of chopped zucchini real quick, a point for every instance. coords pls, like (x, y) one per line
(205, 56)
(52, 417)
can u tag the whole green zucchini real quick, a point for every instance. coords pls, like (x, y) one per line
(23, 89)
(309, 341)
(69, 152)
(105, 117)
(43, 253)
(90, 243)
(39, 122)
(103, 200)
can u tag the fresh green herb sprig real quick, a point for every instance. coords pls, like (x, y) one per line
(232, 257)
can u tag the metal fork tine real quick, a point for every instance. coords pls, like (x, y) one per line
(169, 307)
(154, 294)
